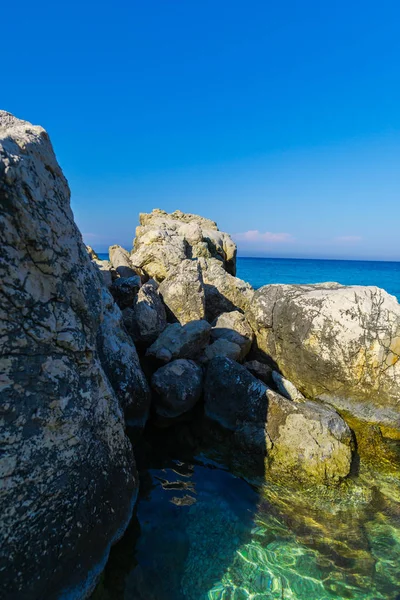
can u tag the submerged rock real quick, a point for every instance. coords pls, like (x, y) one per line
(177, 341)
(67, 469)
(183, 292)
(304, 440)
(340, 344)
(147, 319)
(234, 327)
(178, 386)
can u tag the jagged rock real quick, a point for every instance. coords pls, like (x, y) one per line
(67, 469)
(125, 289)
(120, 362)
(286, 388)
(234, 327)
(183, 292)
(305, 440)
(147, 319)
(105, 268)
(177, 341)
(339, 344)
(224, 293)
(92, 253)
(178, 386)
(260, 370)
(221, 347)
(121, 262)
(164, 240)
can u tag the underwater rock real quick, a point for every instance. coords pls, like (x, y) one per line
(339, 344)
(147, 319)
(178, 386)
(67, 469)
(183, 292)
(234, 327)
(177, 341)
(124, 290)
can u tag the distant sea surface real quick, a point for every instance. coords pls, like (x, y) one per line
(262, 271)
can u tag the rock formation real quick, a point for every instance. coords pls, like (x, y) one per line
(178, 386)
(234, 327)
(177, 341)
(146, 319)
(183, 292)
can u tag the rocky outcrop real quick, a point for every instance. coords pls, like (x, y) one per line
(286, 387)
(234, 327)
(125, 289)
(339, 344)
(164, 240)
(121, 262)
(177, 341)
(222, 347)
(183, 292)
(67, 469)
(261, 371)
(178, 387)
(147, 319)
(304, 440)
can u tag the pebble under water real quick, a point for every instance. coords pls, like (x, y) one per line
(200, 532)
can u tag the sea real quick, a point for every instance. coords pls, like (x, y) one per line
(263, 271)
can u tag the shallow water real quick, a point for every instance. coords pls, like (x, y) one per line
(203, 533)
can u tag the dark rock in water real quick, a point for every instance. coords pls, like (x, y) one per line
(183, 292)
(306, 440)
(177, 341)
(68, 474)
(178, 386)
(147, 319)
(125, 289)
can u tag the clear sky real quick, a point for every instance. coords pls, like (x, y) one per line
(279, 120)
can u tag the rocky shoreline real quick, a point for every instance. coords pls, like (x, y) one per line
(292, 381)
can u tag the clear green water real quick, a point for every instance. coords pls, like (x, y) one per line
(202, 533)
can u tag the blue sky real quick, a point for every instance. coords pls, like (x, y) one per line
(279, 120)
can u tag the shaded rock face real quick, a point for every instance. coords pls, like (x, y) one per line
(178, 386)
(177, 341)
(335, 343)
(183, 292)
(304, 441)
(222, 347)
(121, 262)
(125, 289)
(234, 327)
(147, 319)
(164, 240)
(67, 468)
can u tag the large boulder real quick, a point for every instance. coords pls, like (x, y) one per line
(178, 386)
(221, 347)
(163, 240)
(121, 262)
(125, 289)
(147, 319)
(67, 468)
(304, 441)
(183, 292)
(224, 293)
(339, 344)
(233, 326)
(177, 341)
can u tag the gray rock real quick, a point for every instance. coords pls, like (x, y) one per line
(234, 327)
(121, 262)
(105, 268)
(305, 441)
(335, 343)
(177, 341)
(146, 320)
(125, 289)
(260, 370)
(222, 347)
(183, 292)
(92, 253)
(178, 386)
(286, 388)
(67, 469)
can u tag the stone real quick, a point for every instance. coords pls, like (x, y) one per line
(234, 327)
(121, 262)
(260, 370)
(224, 293)
(164, 240)
(125, 289)
(178, 386)
(120, 362)
(286, 388)
(106, 273)
(147, 319)
(177, 341)
(68, 475)
(92, 253)
(339, 344)
(304, 441)
(222, 347)
(183, 292)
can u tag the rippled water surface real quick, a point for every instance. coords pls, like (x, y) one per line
(203, 533)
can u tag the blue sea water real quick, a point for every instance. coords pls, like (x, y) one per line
(263, 271)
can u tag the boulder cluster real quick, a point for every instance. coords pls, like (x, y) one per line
(162, 332)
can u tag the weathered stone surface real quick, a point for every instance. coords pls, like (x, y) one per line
(120, 362)
(178, 386)
(121, 262)
(286, 388)
(335, 343)
(260, 370)
(125, 289)
(233, 326)
(224, 293)
(177, 341)
(183, 292)
(92, 253)
(147, 319)
(222, 347)
(106, 272)
(67, 468)
(306, 440)
(164, 240)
